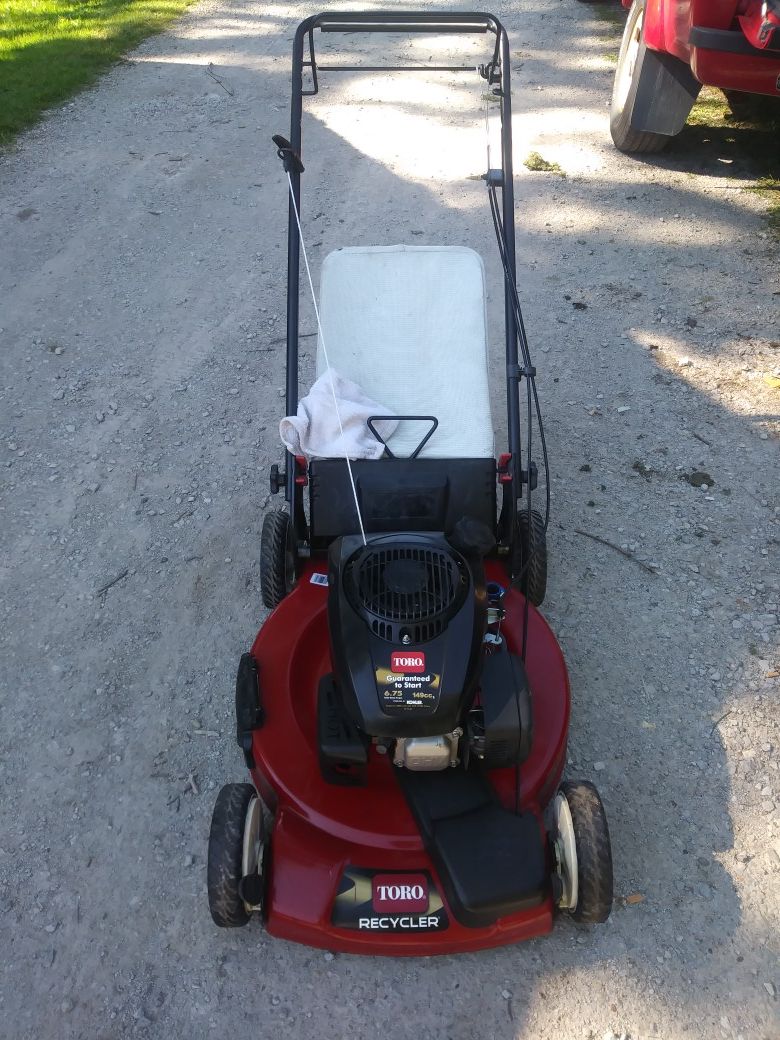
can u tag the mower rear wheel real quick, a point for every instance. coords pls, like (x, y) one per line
(277, 558)
(226, 857)
(530, 556)
(591, 892)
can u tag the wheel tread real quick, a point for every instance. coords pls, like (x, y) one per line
(533, 555)
(273, 549)
(226, 840)
(594, 852)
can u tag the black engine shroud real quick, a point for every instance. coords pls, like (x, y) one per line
(407, 615)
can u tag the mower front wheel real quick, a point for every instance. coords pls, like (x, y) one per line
(277, 558)
(235, 856)
(583, 854)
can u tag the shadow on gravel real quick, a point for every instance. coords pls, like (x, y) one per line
(736, 153)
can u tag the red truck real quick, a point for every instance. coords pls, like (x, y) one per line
(671, 47)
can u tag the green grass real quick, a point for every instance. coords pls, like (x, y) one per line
(614, 15)
(534, 161)
(745, 126)
(769, 190)
(49, 49)
(711, 108)
(612, 12)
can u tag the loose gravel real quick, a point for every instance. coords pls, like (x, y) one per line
(142, 282)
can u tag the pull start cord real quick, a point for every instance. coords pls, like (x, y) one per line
(327, 359)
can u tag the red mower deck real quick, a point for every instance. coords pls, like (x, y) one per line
(404, 710)
(320, 830)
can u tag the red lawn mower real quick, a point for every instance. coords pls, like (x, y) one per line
(404, 710)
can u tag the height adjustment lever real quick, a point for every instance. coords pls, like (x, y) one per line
(277, 479)
(290, 158)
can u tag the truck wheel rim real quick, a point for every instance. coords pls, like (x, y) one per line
(626, 67)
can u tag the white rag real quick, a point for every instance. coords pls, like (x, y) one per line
(314, 431)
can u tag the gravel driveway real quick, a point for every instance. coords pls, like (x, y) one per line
(142, 278)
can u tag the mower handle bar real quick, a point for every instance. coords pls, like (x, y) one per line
(498, 70)
(401, 21)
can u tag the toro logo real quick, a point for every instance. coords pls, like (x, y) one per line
(407, 661)
(391, 892)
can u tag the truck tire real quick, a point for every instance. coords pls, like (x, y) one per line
(653, 93)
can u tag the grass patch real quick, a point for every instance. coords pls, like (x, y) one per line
(614, 14)
(769, 190)
(538, 164)
(711, 108)
(744, 126)
(49, 49)
(611, 12)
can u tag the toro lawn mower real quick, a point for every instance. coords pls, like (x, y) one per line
(404, 710)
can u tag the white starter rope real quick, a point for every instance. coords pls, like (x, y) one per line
(327, 359)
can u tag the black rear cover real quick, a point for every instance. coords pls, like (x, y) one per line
(400, 495)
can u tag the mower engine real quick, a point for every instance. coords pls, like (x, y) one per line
(408, 615)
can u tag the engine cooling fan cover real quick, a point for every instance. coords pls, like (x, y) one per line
(406, 590)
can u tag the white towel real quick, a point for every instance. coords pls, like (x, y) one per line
(314, 431)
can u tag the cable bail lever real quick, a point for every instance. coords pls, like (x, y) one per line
(290, 158)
